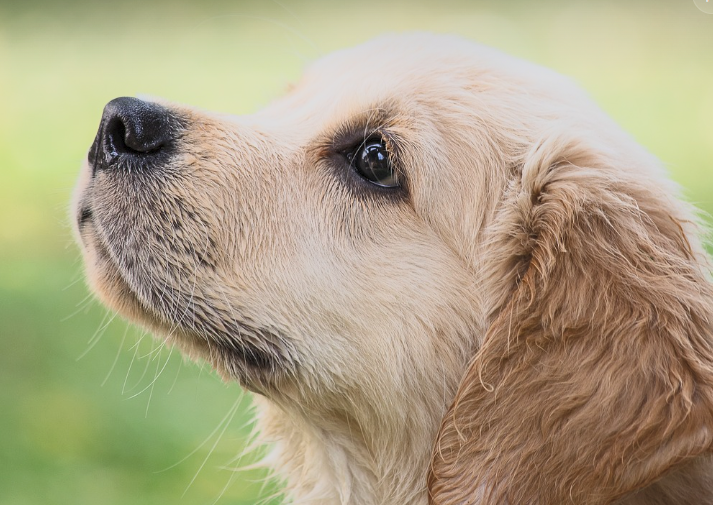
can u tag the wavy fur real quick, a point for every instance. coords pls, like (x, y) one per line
(526, 321)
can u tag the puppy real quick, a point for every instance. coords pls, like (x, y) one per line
(447, 277)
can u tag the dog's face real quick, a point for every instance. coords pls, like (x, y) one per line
(346, 251)
(323, 240)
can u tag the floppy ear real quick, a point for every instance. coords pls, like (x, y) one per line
(596, 374)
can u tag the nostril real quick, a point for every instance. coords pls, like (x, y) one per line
(134, 129)
(114, 135)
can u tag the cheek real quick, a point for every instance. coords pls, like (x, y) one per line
(382, 300)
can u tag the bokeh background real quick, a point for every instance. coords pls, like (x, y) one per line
(92, 410)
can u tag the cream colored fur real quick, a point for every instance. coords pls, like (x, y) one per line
(537, 267)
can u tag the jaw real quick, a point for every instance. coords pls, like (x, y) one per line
(328, 455)
(258, 365)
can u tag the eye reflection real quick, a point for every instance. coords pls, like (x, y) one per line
(372, 162)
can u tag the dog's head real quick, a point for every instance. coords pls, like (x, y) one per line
(419, 220)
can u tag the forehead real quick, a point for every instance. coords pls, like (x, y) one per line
(409, 74)
(381, 74)
(393, 63)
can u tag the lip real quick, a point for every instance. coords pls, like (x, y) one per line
(84, 216)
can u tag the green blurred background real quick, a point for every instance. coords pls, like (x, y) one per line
(92, 411)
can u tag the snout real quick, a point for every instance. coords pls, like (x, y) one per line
(134, 135)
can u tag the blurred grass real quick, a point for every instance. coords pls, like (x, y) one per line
(100, 430)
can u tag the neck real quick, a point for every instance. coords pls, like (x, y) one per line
(336, 462)
(361, 441)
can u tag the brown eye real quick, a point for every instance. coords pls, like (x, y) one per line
(372, 162)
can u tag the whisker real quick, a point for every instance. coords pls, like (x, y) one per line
(231, 478)
(175, 379)
(232, 412)
(116, 358)
(133, 358)
(82, 305)
(156, 375)
(227, 417)
(97, 335)
(153, 382)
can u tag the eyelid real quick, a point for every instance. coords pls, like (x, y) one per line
(354, 147)
(338, 150)
(350, 136)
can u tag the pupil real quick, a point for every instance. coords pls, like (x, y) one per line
(374, 164)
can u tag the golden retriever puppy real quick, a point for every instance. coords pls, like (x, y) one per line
(447, 277)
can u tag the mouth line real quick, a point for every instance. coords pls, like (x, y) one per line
(85, 215)
(250, 355)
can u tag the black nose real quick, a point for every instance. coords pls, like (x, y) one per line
(133, 134)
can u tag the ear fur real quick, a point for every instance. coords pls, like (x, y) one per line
(596, 374)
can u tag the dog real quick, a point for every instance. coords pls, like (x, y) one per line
(444, 273)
